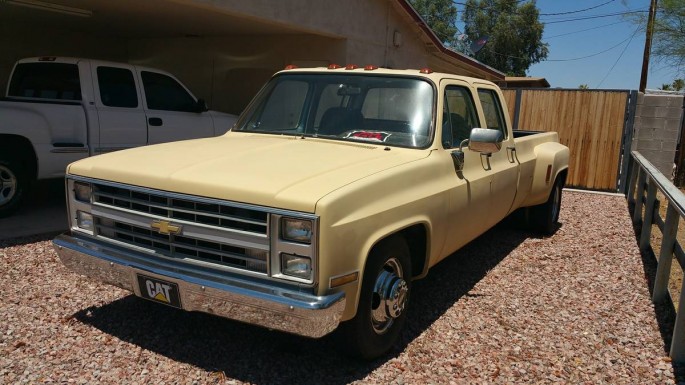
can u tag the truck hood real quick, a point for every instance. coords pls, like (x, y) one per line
(269, 170)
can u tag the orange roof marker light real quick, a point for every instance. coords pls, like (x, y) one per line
(334, 66)
(291, 67)
(426, 70)
(351, 67)
(370, 67)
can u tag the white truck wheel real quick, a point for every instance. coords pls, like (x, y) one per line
(12, 186)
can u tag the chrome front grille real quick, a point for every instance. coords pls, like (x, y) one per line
(221, 233)
(184, 208)
(184, 247)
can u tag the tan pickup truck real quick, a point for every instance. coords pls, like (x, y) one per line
(336, 188)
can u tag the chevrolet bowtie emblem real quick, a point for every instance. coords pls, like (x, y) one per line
(165, 227)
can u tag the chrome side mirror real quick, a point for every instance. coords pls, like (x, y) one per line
(201, 106)
(485, 140)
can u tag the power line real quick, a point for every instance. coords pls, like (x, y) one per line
(552, 14)
(619, 58)
(596, 16)
(576, 11)
(572, 59)
(584, 30)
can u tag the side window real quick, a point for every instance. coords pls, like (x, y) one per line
(494, 118)
(117, 87)
(284, 107)
(163, 92)
(46, 81)
(459, 116)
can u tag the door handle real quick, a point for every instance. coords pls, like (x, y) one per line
(155, 121)
(511, 154)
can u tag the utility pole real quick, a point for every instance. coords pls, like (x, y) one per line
(648, 45)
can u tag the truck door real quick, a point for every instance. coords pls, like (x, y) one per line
(171, 110)
(503, 164)
(120, 111)
(470, 188)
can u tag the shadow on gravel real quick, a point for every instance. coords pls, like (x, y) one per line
(255, 355)
(20, 241)
(664, 312)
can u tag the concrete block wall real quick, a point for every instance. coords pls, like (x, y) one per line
(658, 119)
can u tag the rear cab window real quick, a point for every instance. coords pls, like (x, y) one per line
(117, 87)
(51, 81)
(492, 109)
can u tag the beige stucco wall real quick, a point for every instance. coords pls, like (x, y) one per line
(228, 70)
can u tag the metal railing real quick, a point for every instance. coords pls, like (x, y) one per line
(644, 177)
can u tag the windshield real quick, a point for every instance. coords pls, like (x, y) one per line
(383, 109)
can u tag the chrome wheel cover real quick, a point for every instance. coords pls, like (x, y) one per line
(8, 185)
(389, 296)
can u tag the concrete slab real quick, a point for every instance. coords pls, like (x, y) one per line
(43, 211)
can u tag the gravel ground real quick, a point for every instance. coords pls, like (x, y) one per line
(508, 308)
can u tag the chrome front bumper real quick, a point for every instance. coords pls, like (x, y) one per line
(238, 298)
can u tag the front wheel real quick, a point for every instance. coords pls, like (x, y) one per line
(544, 217)
(383, 300)
(13, 185)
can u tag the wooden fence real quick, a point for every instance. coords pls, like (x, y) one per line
(592, 123)
(645, 178)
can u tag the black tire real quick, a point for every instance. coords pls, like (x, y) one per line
(13, 186)
(544, 217)
(377, 325)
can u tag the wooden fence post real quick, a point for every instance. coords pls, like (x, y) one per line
(649, 215)
(641, 177)
(634, 167)
(678, 339)
(627, 141)
(663, 269)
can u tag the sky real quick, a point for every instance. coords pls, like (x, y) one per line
(613, 42)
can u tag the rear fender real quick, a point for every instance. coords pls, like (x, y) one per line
(551, 159)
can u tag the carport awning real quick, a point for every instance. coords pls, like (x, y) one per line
(139, 19)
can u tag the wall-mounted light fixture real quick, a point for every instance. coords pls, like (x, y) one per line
(57, 8)
(397, 39)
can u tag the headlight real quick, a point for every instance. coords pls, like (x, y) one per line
(296, 230)
(296, 266)
(84, 220)
(82, 191)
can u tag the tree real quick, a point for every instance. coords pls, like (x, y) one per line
(514, 33)
(583, 87)
(441, 16)
(668, 39)
(677, 85)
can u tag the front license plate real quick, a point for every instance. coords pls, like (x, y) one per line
(159, 291)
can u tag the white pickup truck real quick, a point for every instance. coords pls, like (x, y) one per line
(59, 110)
(335, 190)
